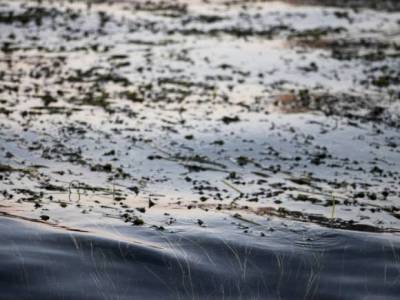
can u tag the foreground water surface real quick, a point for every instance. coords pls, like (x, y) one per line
(38, 263)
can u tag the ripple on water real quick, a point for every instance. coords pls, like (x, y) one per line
(37, 263)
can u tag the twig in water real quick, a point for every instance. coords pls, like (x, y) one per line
(333, 206)
(78, 190)
(113, 188)
(241, 218)
(232, 187)
(235, 189)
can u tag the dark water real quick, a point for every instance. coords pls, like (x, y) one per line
(53, 264)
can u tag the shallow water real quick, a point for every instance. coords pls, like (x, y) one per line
(190, 150)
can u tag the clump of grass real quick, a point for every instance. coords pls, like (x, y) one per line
(137, 221)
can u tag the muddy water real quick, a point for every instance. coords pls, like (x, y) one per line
(194, 150)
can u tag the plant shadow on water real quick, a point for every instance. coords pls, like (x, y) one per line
(199, 150)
